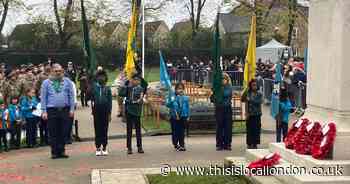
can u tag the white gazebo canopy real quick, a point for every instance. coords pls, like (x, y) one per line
(271, 51)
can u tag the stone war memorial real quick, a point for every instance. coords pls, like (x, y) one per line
(328, 86)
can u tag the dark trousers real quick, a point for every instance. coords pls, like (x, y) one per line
(44, 134)
(83, 98)
(57, 120)
(3, 140)
(172, 125)
(68, 130)
(31, 129)
(253, 126)
(101, 128)
(178, 132)
(223, 115)
(16, 134)
(133, 121)
(281, 128)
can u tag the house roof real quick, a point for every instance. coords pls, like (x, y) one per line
(151, 27)
(181, 26)
(109, 28)
(235, 24)
(25, 29)
(76, 26)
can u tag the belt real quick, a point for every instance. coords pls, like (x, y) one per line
(58, 108)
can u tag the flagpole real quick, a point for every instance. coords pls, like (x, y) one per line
(143, 39)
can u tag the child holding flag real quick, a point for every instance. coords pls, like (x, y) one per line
(179, 114)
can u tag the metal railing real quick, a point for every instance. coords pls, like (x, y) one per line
(203, 76)
(265, 85)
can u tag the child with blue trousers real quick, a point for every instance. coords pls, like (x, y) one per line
(28, 104)
(3, 126)
(15, 128)
(179, 113)
(285, 108)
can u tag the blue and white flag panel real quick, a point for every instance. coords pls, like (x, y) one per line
(276, 91)
(164, 77)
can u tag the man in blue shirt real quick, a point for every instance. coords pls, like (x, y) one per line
(57, 104)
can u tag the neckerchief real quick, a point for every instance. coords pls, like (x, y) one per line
(56, 84)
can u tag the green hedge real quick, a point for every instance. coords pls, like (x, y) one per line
(110, 58)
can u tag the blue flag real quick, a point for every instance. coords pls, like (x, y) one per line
(164, 77)
(276, 91)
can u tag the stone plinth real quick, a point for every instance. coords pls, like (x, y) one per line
(328, 69)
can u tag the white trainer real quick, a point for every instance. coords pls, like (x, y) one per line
(98, 152)
(105, 152)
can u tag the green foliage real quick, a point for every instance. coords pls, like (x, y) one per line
(270, 19)
(150, 125)
(180, 39)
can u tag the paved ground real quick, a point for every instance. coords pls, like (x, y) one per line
(118, 129)
(33, 166)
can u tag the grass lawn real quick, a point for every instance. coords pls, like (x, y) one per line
(151, 75)
(176, 179)
(149, 124)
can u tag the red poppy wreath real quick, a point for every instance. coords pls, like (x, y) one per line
(267, 161)
(323, 143)
(303, 145)
(291, 135)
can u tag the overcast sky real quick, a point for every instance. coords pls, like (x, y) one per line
(171, 13)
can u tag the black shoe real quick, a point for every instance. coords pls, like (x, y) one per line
(181, 148)
(228, 148)
(140, 150)
(219, 148)
(54, 157)
(120, 115)
(63, 156)
(6, 149)
(129, 151)
(176, 147)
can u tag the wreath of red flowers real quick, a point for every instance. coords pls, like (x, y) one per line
(323, 143)
(292, 133)
(267, 161)
(304, 143)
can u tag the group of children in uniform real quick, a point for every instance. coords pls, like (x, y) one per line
(12, 118)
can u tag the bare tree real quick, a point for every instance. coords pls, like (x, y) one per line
(63, 29)
(292, 15)
(195, 14)
(4, 8)
(262, 13)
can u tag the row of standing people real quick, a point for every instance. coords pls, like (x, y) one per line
(179, 112)
(20, 89)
